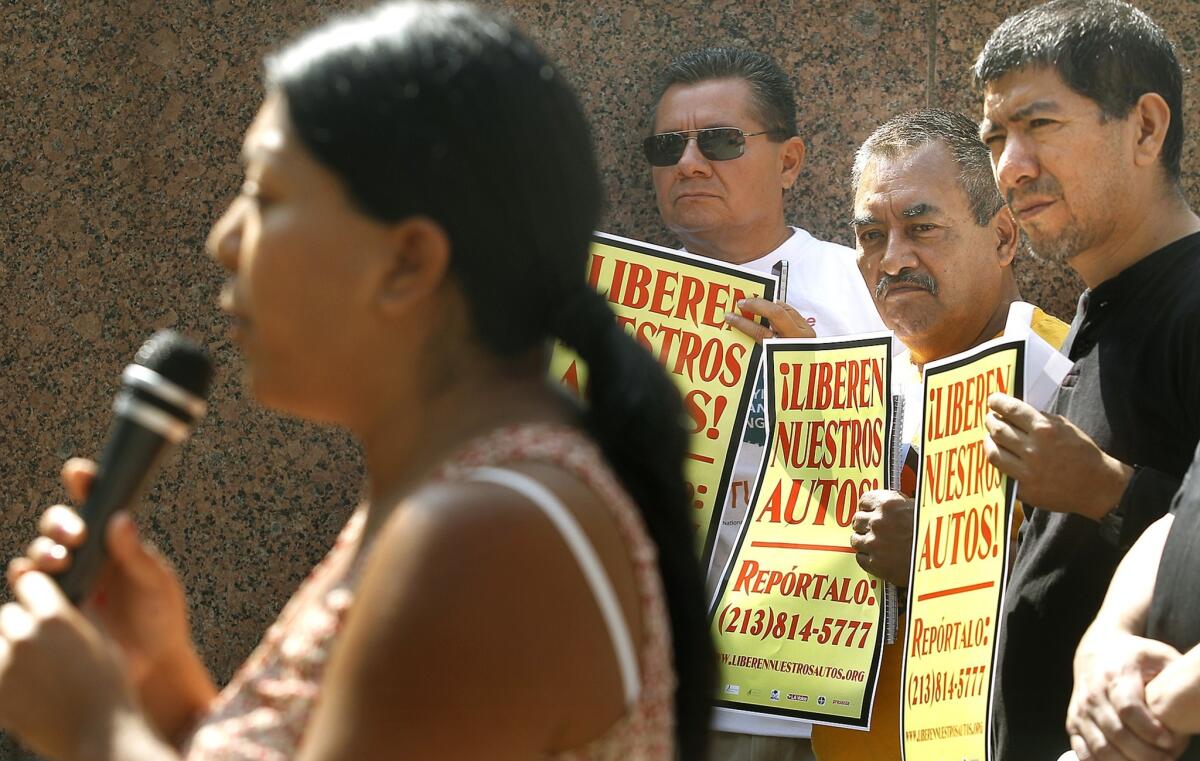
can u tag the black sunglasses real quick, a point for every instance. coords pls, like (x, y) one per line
(715, 144)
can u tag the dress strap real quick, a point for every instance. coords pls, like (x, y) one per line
(588, 561)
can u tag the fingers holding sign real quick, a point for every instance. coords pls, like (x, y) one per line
(882, 538)
(785, 321)
(1058, 467)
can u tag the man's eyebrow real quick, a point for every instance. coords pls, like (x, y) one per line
(863, 221)
(1021, 114)
(1038, 105)
(919, 210)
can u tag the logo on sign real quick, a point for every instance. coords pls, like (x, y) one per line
(733, 689)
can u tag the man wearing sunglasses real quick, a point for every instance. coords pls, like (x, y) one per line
(723, 152)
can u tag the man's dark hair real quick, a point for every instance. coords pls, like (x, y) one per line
(905, 133)
(1105, 50)
(771, 91)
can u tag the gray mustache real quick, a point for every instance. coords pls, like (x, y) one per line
(919, 279)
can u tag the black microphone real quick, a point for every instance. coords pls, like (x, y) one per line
(161, 399)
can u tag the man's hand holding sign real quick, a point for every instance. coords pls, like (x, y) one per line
(783, 320)
(1057, 466)
(882, 538)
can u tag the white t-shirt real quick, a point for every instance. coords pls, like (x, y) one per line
(825, 286)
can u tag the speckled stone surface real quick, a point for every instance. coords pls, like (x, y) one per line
(120, 122)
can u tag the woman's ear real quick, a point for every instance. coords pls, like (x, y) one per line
(416, 264)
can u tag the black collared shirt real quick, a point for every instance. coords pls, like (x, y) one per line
(1135, 390)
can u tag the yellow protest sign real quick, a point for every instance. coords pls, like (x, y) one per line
(960, 558)
(674, 304)
(797, 621)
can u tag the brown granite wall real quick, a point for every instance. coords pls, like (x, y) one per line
(120, 122)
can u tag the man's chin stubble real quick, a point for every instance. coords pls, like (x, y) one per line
(1060, 250)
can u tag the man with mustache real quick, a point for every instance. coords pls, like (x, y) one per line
(1083, 118)
(936, 245)
(724, 151)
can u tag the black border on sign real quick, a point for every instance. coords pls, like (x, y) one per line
(1010, 493)
(769, 284)
(863, 720)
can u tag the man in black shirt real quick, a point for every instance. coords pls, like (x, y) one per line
(1082, 113)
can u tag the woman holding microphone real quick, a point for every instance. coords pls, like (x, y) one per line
(520, 581)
